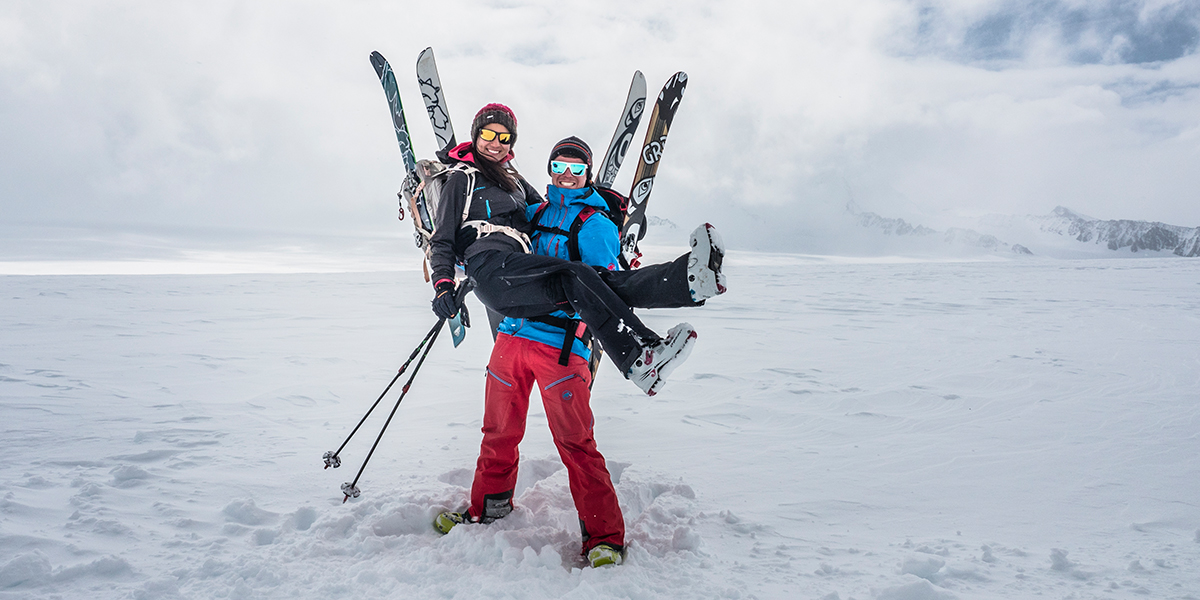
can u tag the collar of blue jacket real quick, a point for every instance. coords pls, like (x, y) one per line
(567, 196)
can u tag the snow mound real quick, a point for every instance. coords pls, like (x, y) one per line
(383, 544)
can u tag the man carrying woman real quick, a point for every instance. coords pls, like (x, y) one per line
(554, 349)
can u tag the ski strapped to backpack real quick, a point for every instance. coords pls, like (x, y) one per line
(421, 214)
(635, 105)
(433, 174)
(435, 101)
(634, 228)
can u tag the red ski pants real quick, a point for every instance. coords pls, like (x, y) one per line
(515, 365)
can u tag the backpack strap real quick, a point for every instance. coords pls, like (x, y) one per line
(573, 234)
(470, 172)
(537, 214)
(482, 227)
(572, 329)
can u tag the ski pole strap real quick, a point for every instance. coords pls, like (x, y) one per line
(572, 329)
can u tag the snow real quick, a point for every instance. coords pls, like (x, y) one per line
(846, 428)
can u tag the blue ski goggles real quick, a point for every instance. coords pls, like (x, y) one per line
(558, 168)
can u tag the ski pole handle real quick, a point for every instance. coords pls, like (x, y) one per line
(463, 289)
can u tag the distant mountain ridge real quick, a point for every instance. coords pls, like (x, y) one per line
(1114, 235)
(1123, 233)
(953, 235)
(654, 221)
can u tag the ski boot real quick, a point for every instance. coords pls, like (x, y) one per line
(649, 372)
(604, 555)
(705, 278)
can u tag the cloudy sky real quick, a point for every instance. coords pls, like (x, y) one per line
(235, 119)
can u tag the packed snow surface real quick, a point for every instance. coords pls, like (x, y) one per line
(883, 429)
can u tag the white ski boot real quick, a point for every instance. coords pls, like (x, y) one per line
(656, 361)
(705, 278)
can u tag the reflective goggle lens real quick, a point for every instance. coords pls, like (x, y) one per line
(488, 135)
(558, 168)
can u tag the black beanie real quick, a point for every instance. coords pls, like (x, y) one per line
(575, 147)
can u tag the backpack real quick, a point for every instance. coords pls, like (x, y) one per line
(422, 192)
(618, 205)
(618, 211)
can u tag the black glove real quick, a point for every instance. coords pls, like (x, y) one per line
(444, 305)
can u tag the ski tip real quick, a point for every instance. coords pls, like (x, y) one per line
(426, 58)
(638, 85)
(379, 62)
(678, 80)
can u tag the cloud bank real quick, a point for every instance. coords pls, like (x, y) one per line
(267, 117)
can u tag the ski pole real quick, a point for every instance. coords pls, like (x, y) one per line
(331, 457)
(351, 489)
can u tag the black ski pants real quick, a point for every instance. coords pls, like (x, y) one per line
(528, 285)
(663, 285)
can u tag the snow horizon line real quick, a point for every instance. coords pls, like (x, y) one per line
(281, 263)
